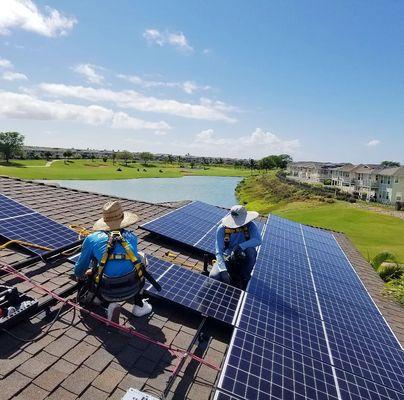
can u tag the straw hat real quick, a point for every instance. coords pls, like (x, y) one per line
(238, 216)
(114, 218)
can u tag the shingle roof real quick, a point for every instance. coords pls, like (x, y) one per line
(396, 171)
(79, 358)
(345, 168)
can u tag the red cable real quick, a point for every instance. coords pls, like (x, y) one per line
(128, 330)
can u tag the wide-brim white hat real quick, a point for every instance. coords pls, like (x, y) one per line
(114, 218)
(238, 217)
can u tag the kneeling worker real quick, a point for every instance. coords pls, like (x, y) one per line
(236, 240)
(119, 269)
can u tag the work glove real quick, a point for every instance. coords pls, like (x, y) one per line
(237, 253)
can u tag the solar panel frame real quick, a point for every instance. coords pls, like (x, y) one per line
(33, 227)
(197, 292)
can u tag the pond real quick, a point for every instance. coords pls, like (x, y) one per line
(216, 190)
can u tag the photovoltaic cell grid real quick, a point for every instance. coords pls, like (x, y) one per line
(367, 357)
(261, 369)
(193, 224)
(18, 222)
(195, 291)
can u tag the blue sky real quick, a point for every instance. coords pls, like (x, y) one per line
(320, 80)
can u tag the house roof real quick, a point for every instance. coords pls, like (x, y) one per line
(345, 168)
(79, 358)
(396, 171)
(314, 164)
(367, 168)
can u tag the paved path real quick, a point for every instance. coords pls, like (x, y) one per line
(381, 210)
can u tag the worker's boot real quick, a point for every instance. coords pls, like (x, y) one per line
(140, 311)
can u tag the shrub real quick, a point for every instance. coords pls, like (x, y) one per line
(395, 288)
(386, 266)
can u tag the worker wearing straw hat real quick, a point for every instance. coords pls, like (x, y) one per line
(113, 251)
(237, 238)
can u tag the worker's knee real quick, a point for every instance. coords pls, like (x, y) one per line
(221, 276)
(214, 272)
(251, 255)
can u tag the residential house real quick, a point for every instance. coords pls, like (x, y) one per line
(391, 185)
(311, 171)
(344, 177)
(366, 181)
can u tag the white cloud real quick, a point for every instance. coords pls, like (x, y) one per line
(206, 110)
(154, 36)
(175, 39)
(188, 87)
(24, 14)
(14, 76)
(256, 145)
(90, 73)
(25, 106)
(373, 143)
(179, 40)
(5, 63)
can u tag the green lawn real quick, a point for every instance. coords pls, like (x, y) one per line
(87, 169)
(371, 232)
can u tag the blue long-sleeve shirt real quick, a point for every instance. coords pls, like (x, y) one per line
(93, 249)
(236, 238)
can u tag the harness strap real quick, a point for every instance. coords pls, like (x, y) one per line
(105, 256)
(229, 231)
(113, 238)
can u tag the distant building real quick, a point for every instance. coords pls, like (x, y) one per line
(311, 171)
(391, 185)
(369, 181)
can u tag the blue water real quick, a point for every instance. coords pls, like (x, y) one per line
(210, 189)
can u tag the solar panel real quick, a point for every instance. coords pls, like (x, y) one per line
(291, 296)
(367, 358)
(285, 326)
(18, 222)
(305, 305)
(366, 322)
(354, 387)
(223, 396)
(195, 291)
(256, 368)
(194, 224)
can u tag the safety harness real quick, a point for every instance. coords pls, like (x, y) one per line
(120, 288)
(115, 237)
(229, 231)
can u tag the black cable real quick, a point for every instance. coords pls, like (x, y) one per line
(38, 337)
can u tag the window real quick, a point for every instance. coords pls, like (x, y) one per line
(396, 179)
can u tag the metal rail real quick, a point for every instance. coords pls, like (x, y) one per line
(179, 366)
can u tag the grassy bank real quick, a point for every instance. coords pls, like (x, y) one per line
(97, 169)
(369, 231)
